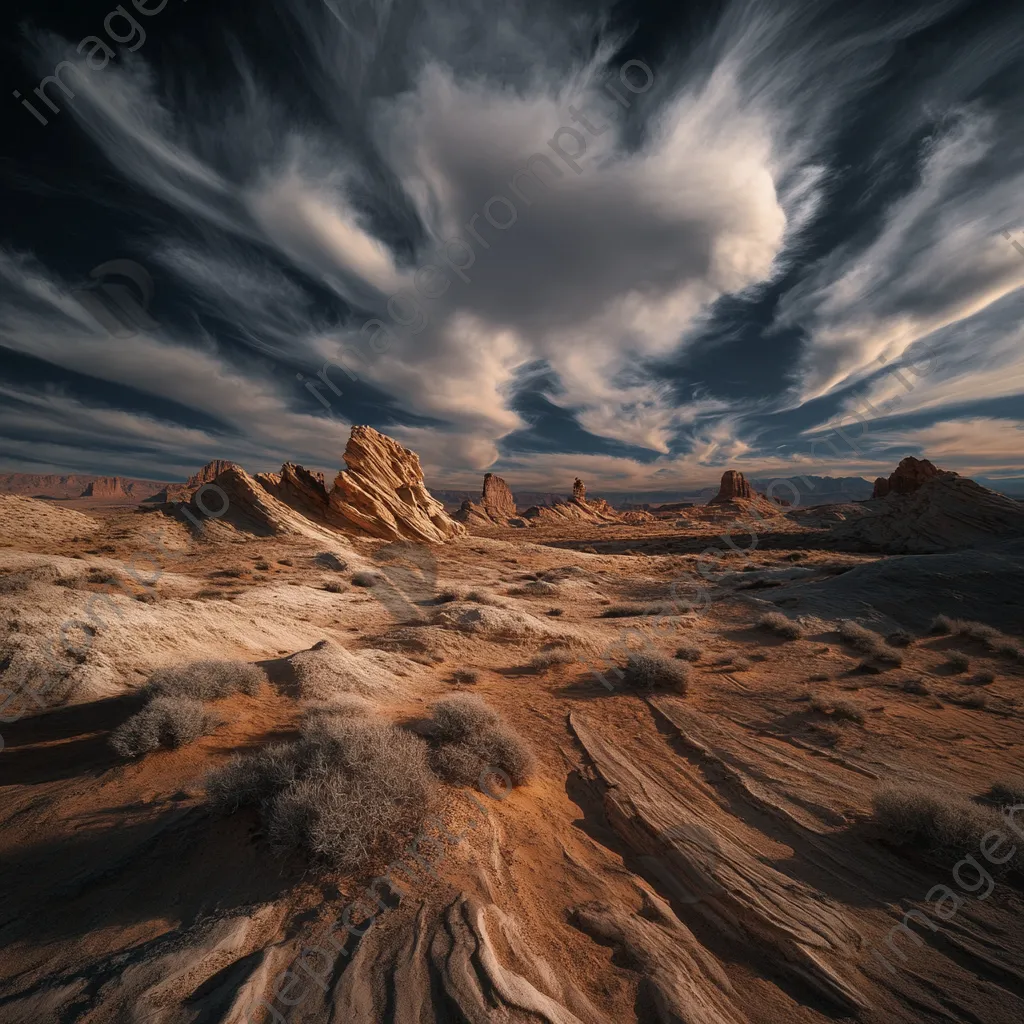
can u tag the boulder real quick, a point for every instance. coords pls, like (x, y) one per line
(382, 493)
(908, 476)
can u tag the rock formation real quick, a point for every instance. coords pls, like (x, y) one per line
(496, 507)
(577, 508)
(637, 517)
(206, 475)
(945, 512)
(908, 476)
(300, 488)
(382, 492)
(734, 485)
(105, 487)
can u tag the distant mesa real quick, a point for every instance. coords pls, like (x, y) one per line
(106, 487)
(908, 476)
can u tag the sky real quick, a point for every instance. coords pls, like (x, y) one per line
(636, 242)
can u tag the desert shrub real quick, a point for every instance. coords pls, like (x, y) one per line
(262, 565)
(553, 656)
(345, 705)
(943, 625)
(588, 549)
(555, 612)
(983, 678)
(347, 793)
(976, 630)
(1008, 793)
(827, 733)
(958, 662)
(776, 622)
(474, 738)
(859, 637)
(535, 588)
(654, 672)
(233, 573)
(365, 579)
(481, 597)
(1007, 649)
(837, 708)
(689, 653)
(934, 822)
(976, 701)
(900, 638)
(917, 686)
(168, 721)
(465, 675)
(741, 664)
(206, 680)
(335, 587)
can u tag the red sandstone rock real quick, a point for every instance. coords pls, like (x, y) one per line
(498, 501)
(908, 476)
(734, 485)
(106, 487)
(579, 490)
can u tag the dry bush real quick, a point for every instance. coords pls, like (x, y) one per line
(899, 638)
(819, 677)
(943, 625)
(168, 721)
(654, 672)
(692, 654)
(555, 612)
(859, 637)
(976, 630)
(1007, 649)
(262, 565)
(365, 579)
(345, 705)
(206, 680)
(347, 793)
(741, 664)
(1008, 793)
(537, 588)
(983, 678)
(958, 662)
(780, 625)
(553, 656)
(976, 701)
(838, 708)
(474, 738)
(335, 587)
(934, 822)
(466, 675)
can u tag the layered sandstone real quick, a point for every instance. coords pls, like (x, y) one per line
(575, 509)
(302, 489)
(497, 505)
(206, 475)
(382, 492)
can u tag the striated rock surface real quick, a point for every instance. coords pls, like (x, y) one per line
(576, 509)
(106, 487)
(945, 513)
(300, 488)
(734, 485)
(908, 476)
(209, 473)
(382, 492)
(253, 509)
(637, 517)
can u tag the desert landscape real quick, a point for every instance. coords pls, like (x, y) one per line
(286, 750)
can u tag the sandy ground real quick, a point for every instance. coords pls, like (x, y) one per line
(125, 899)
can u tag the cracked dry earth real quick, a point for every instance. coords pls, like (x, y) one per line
(706, 858)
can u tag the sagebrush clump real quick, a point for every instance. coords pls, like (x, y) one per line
(169, 722)
(780, 625)
(207, 680)
(473, 740)
(935, 822)
(838, 708)
(691, 654)
(347, 793)
(552, 656)
(654, 672)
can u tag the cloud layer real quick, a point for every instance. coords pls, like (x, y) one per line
(460, 219)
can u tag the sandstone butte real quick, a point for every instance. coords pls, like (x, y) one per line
(106, 487)
(908, 476)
